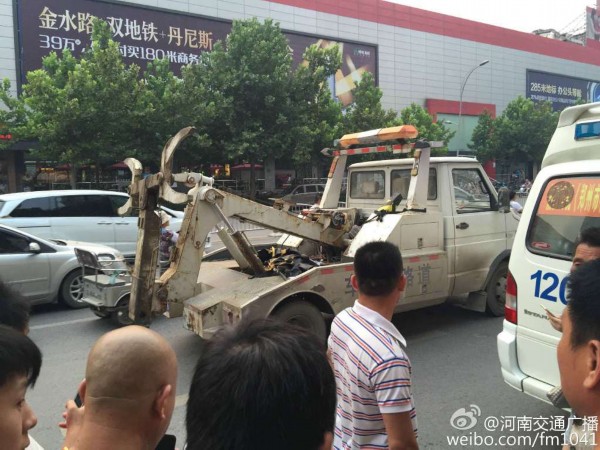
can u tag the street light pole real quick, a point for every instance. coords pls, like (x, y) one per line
(462, 90)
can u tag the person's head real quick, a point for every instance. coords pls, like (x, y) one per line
(20, 363)
(512, 195)
(378, 271)
(131, 377)
(14, 309)
(587, 247)
(579, 347)
(317, 199)
(262, 385)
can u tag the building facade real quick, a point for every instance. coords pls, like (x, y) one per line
(434, 60)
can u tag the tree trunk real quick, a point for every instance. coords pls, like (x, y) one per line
(97, 172)
(252, 180)
(73, 175)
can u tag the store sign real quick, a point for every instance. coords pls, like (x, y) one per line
(146, 34)
(560, 90)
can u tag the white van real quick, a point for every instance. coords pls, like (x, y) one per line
(564, 199)
(77, 215)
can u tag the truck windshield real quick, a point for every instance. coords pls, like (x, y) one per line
(401, 182)
(567, 206)
(367, 184)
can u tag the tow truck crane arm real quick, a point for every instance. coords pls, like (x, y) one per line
(206, 207)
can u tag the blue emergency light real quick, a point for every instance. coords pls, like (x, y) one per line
(589, 130)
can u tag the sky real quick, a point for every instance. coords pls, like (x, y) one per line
(522, 15)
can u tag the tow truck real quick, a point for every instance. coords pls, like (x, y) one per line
(453, 230)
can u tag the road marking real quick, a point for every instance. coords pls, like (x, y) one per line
(181, 400)
(60, 324)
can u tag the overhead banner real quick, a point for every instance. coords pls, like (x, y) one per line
(146, 34)
(560, 90)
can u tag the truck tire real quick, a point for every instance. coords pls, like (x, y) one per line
(304, 315)
(496, 291)
(71, 290)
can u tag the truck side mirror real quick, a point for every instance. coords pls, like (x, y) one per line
(504, 200)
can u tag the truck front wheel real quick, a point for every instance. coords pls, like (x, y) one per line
(305, 315)
(496, 291)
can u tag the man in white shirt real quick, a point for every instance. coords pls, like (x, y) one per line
(375, 407)
(514, 204)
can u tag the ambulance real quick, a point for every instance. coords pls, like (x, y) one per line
(563, 201)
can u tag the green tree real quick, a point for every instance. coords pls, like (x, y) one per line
(519, 135)
(318, 116)
(429, 130)
(81, 109)
(250, 79)
(483, 137)
(13, 117)
(366, 113)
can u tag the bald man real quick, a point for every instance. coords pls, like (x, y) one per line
(128, 393)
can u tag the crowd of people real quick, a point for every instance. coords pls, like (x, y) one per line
(268, 385)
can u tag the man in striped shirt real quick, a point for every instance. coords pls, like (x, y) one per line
(375, 408)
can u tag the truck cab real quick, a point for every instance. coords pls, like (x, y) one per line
(458, 243)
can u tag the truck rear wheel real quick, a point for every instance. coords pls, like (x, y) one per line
(496, 291)
(305, 315)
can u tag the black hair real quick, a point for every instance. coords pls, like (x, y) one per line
(584, 303)
(377, 267)
(18, 356)
(261, 385)
(14, 309)
(589, 236)
(512, 195)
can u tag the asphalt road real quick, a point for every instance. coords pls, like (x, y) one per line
(453, 354)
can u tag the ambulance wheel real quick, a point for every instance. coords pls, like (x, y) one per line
(305, 315)
(496, 291)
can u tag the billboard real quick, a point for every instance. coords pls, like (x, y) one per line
(560, 90)
(145, 34)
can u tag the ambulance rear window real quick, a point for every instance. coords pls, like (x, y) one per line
(567, 206)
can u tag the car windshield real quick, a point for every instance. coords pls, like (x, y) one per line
(2, 203)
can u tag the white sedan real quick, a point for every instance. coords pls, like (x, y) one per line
(45, 271)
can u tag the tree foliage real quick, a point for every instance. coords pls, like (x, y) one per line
(520, 134)
(429, 130)
(367, 112)
(318, 116)
(80, 109)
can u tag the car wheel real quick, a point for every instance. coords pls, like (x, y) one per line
(496, 291)
(305, 315)
(71, 290)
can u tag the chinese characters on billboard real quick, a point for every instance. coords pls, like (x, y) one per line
(560, 90)
(146, 34)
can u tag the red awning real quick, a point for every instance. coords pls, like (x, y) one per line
(246, 166)
(119, 165)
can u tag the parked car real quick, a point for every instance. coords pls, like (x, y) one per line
(45, 271)
(304, 193)
(78, 215)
